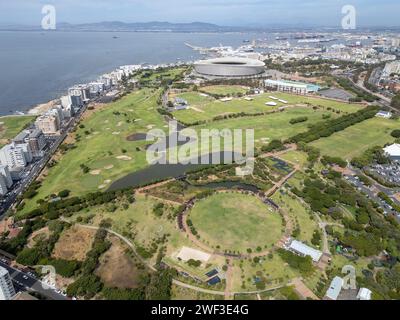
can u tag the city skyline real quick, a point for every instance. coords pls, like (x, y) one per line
(246, 13)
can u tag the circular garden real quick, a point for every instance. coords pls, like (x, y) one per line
(235, 222)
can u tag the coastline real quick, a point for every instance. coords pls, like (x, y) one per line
(42, 107)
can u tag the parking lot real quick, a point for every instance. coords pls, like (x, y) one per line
(388, 172)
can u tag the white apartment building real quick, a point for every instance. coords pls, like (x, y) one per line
(391, 67)
(7, 291)
(15, 155)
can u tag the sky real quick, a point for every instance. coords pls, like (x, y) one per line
(221, 12)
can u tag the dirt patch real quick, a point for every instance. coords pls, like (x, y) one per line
(74, 244)
(38, 235)
(117, 269)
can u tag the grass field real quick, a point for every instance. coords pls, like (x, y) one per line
(300, 215)
(10, 126)
(103, 146)
(139, 223)
(271, 126)
(225, 89)
(354, 140)
(235, 222)
(206, 108)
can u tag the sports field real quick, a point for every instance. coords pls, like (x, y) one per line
(203, 108)
(354, 140)
(225, 89)
(235, 222)
(271, 126)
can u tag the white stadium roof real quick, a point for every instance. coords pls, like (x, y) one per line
(305, 250)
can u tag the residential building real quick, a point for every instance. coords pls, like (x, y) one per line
(5, 173)
(37, 142)
(82, 90)
(15, 155)
(392, 67)
(34, 138)
(65, 101)
(76, 101)
(48, 123)
(3, 186)
(334, 289)
(7, 291)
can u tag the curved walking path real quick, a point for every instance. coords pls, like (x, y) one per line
(225, 293)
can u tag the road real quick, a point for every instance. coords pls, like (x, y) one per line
(23, 282)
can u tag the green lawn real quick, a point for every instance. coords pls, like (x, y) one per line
(235, 222)
(354, 140)
(299, 214)
(206, 108)
(225, 89)
(271, 126)
(10, 126)
(108, 129)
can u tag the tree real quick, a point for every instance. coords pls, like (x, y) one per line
(395, 133)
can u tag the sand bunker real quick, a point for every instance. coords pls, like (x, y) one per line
(95, 172)
(110, 166)
(125, 158)
(115, 133)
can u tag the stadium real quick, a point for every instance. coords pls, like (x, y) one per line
(230, 67)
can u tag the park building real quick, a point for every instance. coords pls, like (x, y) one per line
(334, 289)
(7, 291)
(393, 151)
(291, 86)
(304, 250)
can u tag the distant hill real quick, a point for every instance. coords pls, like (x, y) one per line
(154, 26)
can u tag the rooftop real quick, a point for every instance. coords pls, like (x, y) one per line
(305, 250)
(393, 150)
(334, 288)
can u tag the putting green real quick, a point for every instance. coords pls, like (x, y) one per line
(235, 222)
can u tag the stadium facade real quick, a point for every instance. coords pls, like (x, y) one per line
(230, 67)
